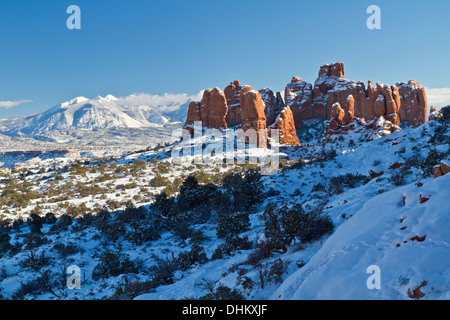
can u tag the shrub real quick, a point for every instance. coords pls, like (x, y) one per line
(131, 213)
(440, 135)
(263, 250)
(128, 290)
(182, 230)
(444, 115)
(282, 225)
(433, 158)
(35, 223)
(230, 224)
(162, 204)
(5, 245)
(162, 272)
(66, 250)
(188, 259)
(349, 180)
(34, 240)
(198, 201)
(245, 189)
(140, 232)
(63, 223)
(231, 244)
(397, 178)
(269, 273)
(39, 285)
(222, 292)
(49, 218)
(113, 230)
(112, 265)
(35, 261)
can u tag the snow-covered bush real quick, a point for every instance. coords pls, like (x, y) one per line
(283, 225)
(230, 245)
(244, 188)
(113, 264)
(188, 259)
(230, 224)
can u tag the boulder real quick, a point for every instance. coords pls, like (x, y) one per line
(441, 169)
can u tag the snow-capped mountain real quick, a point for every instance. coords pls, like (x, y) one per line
(90, 114)
(99, 113)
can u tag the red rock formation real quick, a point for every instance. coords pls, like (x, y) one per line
(298, 97)
(381, 128)
(252, 114)
(334, 70)
(402, 102)
(274, 105)
(193, 115)
(379, 107)
(337, 115)
(232, 93)
(442, 169)
(349, 111)
(217, 109)
(285, 124)
(211, 111)
(413, 107)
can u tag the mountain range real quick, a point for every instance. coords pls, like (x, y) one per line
(95, 114)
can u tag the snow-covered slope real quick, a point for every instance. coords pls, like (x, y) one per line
(399, 225)
(383, 233)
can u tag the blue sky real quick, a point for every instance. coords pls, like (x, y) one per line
(184, 46)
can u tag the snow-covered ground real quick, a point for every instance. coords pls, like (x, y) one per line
(378, 220)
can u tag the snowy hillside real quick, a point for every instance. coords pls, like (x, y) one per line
(141, 226)
(407, 239)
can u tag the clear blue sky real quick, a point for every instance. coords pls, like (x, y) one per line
(187, 45)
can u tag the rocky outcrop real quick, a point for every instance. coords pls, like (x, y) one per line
(434, 114)
(214, 109)
(274, 104)
(211, 111)
(298, 97)
(442, 169)
(400, 102)
(380, 108)
(193, 115)
(232, 93)
(413, 107)
(286, 127)
(341, 119)
(252, 114)
(333, 70)
(380, 128)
